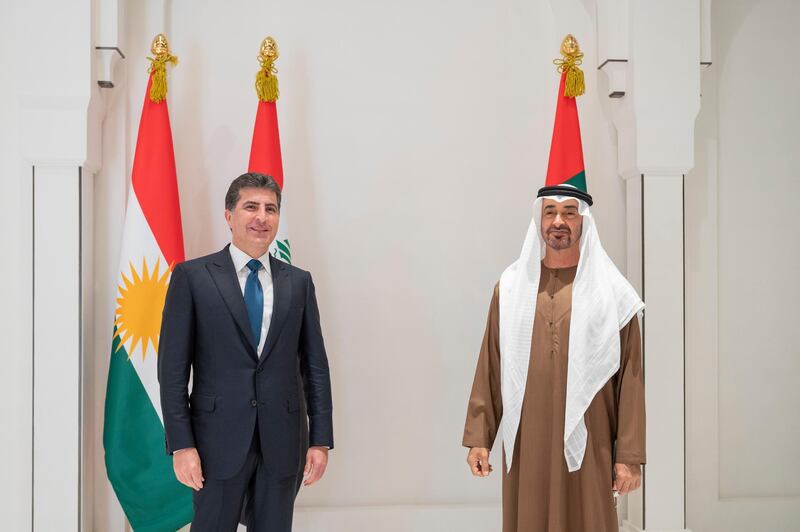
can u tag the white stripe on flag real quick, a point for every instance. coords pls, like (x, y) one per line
(138, 243)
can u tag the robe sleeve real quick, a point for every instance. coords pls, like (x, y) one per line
(630, 445)
(485, 404)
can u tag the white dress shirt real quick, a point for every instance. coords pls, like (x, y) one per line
(240, 260)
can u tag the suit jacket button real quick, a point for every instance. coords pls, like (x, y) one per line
(258, 369)
(253, 403)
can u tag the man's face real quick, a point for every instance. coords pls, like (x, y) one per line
(254, 220)
(561, 223)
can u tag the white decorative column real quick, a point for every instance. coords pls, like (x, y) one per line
(654, 83)
(60, 108)
(53, 134)
(57, 358)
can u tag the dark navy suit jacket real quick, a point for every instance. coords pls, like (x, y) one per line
(205, 328)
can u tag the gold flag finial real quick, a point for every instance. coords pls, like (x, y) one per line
(266, 79)
(572, 59)
(269, 49)
(160, 45)
(158, 67)
(569, 46)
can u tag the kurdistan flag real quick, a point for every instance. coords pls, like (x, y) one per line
(265, 151)
(138, 467)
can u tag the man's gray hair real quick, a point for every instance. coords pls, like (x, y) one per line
(250, 180)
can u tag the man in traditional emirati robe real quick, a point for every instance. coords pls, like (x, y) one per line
(560, 367)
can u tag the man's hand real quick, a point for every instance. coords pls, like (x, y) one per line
(478, 460)
(629, 478)
(316, 462)
(186, 464)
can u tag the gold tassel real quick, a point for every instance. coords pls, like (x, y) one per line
(573, 57)
(267, 82)
(158, 67)
(266, 79)
(574, 85)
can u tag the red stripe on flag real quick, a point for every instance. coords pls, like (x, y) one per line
(566, 150)
(154, 179)
(265, 152)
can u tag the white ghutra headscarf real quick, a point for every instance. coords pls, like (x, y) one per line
(603, 302)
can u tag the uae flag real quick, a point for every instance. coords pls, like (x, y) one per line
(265, 150)
(138, 467)
(566, 151)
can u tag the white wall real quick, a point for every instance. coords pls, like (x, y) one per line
(742, 287)
(414, 137)
(15, 311)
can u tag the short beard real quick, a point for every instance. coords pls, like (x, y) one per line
(559, 244)
(562, 243)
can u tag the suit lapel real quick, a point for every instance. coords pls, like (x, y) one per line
(282, 299)
(224, 275)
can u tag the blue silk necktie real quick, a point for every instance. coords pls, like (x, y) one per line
(254, 299)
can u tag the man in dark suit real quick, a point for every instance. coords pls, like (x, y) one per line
(259, 418)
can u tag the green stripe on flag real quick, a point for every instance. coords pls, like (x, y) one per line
(578, 181)
(283, 250)
(136, 461)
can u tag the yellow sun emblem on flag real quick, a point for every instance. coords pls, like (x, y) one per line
(139, 307)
